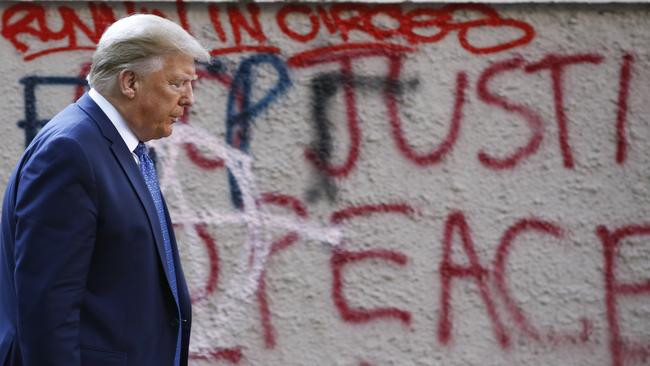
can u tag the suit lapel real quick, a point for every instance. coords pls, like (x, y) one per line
(128, 164)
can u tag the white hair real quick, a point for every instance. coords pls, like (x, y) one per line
(139, 43)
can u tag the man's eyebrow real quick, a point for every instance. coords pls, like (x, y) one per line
(185, 77)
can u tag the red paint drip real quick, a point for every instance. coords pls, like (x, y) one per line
(621, 115)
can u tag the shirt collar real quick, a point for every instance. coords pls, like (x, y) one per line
(130, 139)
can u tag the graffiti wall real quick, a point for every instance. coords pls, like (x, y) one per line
(364, 184)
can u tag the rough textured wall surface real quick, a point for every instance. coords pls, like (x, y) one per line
(390, 185)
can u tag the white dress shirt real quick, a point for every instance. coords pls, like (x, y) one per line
(130, 139)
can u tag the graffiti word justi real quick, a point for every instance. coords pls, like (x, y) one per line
(486, 90)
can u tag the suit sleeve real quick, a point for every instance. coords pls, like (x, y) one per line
(56, 215)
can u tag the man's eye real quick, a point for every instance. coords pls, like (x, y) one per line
(176, 84)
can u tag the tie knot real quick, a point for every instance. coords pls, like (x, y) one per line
(141, 151)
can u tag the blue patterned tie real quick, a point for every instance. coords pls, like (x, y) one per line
(149, 173)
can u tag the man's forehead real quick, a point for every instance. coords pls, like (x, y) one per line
(187, 72)
(180, 66)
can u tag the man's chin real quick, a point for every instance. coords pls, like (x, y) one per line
(167, 131)
(162, 134)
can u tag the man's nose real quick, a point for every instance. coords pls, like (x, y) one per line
(187, 99)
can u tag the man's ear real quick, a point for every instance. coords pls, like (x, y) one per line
(127, 81)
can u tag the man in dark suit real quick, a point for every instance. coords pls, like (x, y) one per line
(89, 267)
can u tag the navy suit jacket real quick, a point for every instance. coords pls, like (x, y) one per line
(83, 280)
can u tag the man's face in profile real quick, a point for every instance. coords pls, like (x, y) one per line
(162, 97)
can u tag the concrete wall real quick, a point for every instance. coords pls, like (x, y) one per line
(395, 185)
